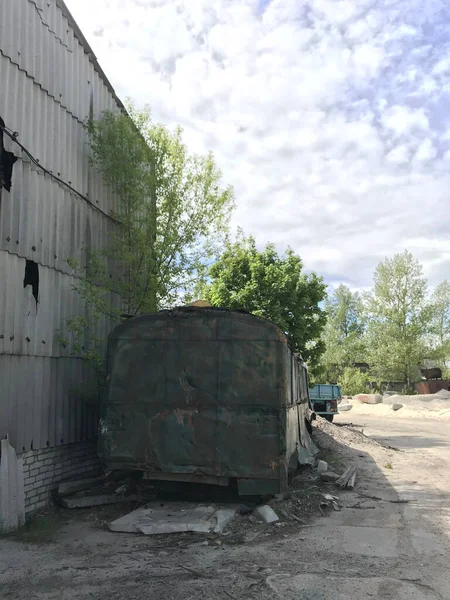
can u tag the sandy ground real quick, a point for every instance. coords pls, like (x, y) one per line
(390, 540)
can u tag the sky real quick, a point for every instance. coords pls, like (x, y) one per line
(330, 118)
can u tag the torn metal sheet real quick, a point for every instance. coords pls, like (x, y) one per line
(154, 519)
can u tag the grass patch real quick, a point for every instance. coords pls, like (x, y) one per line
(388, 466)
(39, 529)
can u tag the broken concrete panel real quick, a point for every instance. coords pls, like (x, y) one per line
(12, 498)
(153, 519)
(224, 517)
(322, 466)
(369, 398)
(266, 514)
(88, 501)
(70, 487)
(345, 407)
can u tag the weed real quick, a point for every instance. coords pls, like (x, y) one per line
(39, 529)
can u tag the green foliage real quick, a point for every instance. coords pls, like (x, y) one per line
(398, 318)
(171, 220)
(439, 325)
(174, 211)
(344, 333)
(274, 287)
(353, 381)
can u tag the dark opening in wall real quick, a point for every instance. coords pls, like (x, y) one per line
(32, 278)
(7, 160)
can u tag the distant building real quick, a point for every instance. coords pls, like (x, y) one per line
(52, 204)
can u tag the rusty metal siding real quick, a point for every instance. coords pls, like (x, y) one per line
(50, 79)
(432, 387)
(215, 401)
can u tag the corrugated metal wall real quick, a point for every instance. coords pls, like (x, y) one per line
(49, 84)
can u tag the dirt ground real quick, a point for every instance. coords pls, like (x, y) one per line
(390, 540)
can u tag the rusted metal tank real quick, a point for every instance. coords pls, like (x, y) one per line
(208, 395)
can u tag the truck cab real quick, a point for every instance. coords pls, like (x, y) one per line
(324, 399)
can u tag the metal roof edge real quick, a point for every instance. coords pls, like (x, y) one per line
(88, 50)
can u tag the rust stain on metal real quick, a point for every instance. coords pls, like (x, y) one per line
(235, 373)
(432, 386)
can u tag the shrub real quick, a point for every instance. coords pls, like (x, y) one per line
(353, 382)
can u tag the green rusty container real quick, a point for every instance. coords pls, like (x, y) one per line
(207, 395)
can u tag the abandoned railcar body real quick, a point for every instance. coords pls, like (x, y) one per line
(203, 394)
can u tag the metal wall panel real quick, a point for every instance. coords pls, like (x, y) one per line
(50, 78)
(47, 405)
(35, 329)
(50, 134)
(41, 43)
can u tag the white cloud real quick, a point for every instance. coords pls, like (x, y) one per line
(328, 117)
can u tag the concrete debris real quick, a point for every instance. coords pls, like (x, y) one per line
(266, 514)
(345, 407)
(99, 500)
(396, 406)
(154, 518)
(322, 466)
(369, 398)
(71, 487)
(330, 497)
(330, 500)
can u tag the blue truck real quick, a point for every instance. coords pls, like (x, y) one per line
(324, 399)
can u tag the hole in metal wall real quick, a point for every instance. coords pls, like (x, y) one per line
(32, 278)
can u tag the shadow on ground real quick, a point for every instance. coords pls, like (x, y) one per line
(83, 560)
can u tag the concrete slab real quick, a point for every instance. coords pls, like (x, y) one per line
(101, 500)
(359, 540)
(426, 542)
(369, 513)
(320, 587)
(178, 517)
(71, 487)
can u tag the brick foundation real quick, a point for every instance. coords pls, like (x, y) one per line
(44, 470)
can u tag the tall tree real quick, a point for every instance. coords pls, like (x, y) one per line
(398, 318)
(171, 221)
(344, 332)
(173, 209)
(439, 329)
(274, 287)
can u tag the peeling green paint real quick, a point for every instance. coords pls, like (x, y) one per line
(208, 392)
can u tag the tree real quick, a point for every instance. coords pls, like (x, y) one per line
(352, 381)
(171, 220)
(274, 287)
(439, 328)
(398, 318)
(343, 333)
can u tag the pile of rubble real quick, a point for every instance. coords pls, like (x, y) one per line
(152, 515)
